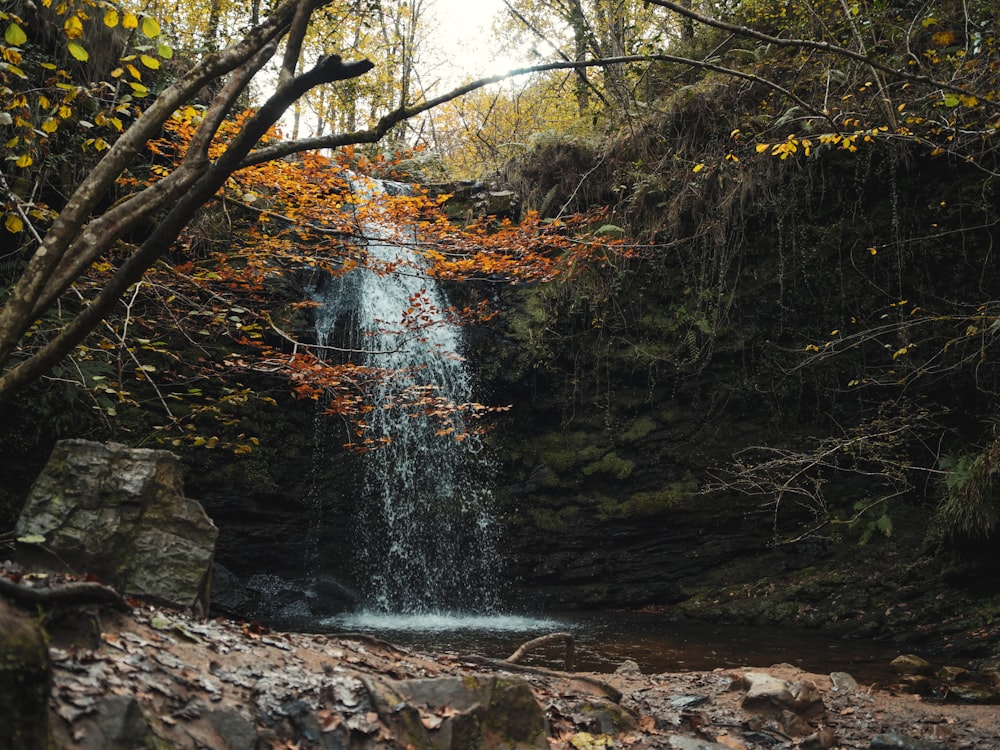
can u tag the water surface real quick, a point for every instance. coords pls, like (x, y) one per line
(655, 642)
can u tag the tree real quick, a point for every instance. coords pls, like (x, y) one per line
(92, 225)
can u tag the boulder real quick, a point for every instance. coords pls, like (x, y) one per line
(911, 664)
(120, 513)
(25, 679)
(474, 711)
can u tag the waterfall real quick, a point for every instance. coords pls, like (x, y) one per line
(426, 537)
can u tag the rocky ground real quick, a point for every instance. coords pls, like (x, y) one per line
(147, 677)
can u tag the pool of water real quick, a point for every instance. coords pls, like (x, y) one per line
(655, 642)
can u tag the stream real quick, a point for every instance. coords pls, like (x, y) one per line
(656, 642)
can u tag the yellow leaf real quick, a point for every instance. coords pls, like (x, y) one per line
(14, 35)
(50, 125)
(111, 18)
(24, 160)
(164, 51)
(873, 250)
(698, 167)
(138, 89)
(78, 51)
(130, 21)
(13, 223)
(762, 147)
(134, 71)
(150, 62)
(65, 111)
(150, 27)
(73, 28)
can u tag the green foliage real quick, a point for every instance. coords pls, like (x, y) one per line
(970, 507)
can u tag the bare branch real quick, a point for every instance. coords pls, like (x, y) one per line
(386, 123)
(812, 44)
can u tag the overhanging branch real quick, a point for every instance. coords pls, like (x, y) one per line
(389, 121)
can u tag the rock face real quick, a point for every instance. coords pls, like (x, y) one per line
(120, 513)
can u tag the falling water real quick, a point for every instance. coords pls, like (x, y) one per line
(427, 540)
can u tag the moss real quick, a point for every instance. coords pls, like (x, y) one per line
(554, 520)
(639, 429)
(25, 678)
(562, 451)
(610, 463)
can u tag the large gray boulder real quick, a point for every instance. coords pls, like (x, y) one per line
(120, 513)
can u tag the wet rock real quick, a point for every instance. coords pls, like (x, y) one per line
(953, 674)
(991, 665)
(25, 679)
(918, 684)
(229, 596)
(911, 664)
(894, 741)
(973, 693)
(120, 514)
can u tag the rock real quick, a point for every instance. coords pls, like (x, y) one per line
(229, 596)
(603, 717)
(953, 674)
(973, 693)
(765, 691)
(843, 682)
(120, 514)
(628, 667)
(677, 742)
(234, 729)
(911, 664)
(895, 741)
(118, 724)
(25, 680)
(469, 712)
(917, 684)
(991, 664)
(822, 739)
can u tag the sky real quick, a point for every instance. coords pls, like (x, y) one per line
(464, 33)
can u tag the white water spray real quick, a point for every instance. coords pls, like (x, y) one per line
(427, 538)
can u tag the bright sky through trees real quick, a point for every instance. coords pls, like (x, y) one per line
(464, 33)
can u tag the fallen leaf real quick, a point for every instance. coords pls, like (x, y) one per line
(431, 721)
(329, 721)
